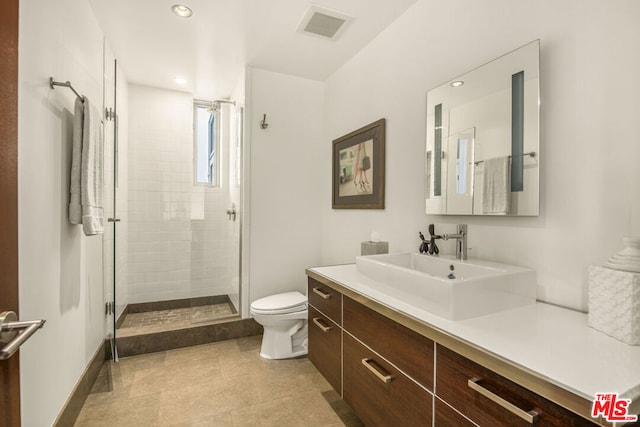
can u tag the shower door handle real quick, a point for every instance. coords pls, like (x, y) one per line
(113, 219)
(232, 213)
(9, 335)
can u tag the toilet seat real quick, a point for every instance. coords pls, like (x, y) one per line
(288, 302)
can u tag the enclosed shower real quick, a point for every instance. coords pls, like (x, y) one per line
(174, 180)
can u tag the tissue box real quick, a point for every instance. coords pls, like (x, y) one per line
(374, 248)
(614, 303)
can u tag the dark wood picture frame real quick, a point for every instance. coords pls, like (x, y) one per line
(359, 168)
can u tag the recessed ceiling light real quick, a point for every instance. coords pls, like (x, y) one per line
(181, 10)
(457, 83)
(181, 80)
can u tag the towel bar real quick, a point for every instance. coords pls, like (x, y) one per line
(531, 154)
(53, 83)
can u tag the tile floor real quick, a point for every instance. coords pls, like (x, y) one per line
(219, 384)
(177, 318)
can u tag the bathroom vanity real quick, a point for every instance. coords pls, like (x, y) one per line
(396, 364)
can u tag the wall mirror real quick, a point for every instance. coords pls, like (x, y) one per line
(482, 150)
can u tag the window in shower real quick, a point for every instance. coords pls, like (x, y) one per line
(205, 124)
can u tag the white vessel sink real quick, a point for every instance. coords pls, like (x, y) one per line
(475, 287)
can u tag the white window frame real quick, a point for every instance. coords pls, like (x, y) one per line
(214, 179)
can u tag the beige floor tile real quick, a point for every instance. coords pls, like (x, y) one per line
(121, 412)
(225, 384)
(219, 420)
(208, 399)
(177, 376)
(303, 409)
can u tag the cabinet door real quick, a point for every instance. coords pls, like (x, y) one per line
(325, 347)
(379, 394)
(491, 400)
(408, 350)
(448, 417)
(325, 299)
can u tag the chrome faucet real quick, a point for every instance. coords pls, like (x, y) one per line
(460, 236)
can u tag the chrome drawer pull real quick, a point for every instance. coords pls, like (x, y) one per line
(531, 417)
(318, 323)
(384, 378)
(322, 293)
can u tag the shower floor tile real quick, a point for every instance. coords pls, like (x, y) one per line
(177, 318)
(225, 383)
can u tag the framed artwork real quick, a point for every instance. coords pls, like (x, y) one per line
(358, 168)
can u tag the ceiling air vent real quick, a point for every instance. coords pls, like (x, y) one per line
(324, 23)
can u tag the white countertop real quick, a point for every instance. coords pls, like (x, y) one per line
(551, 342)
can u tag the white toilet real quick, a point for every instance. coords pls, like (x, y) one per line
(284, 318)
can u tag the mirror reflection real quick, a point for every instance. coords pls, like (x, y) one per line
(483, 139)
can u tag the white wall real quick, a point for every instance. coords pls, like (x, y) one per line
(60, 269)
(286, 171)
(590, 181)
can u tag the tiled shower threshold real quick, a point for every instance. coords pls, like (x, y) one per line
(165, 325)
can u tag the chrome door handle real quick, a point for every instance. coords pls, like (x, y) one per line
(9, 334)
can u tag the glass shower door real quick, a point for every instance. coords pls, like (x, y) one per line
(109, 237)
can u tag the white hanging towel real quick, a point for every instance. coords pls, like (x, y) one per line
(496, 191)
(92, 172)
(75, 200)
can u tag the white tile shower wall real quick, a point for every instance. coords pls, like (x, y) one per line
(589, 187)
(171, 254)
(122, 198)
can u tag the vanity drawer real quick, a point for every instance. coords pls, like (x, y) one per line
(325, 347)
(379, 394)
(447, 417)
(325, 299)
(409, 351)
(473, 389)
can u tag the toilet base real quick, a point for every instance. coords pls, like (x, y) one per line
(277, 344)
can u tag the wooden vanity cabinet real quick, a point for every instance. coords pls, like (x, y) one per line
(476, 391)
(325, 343)
(392, 375)
(379, 393)
(325, 332)
(325, 299)
(387, 369)
(408, 350)
(445, 416)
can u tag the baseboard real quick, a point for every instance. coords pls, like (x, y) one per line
(75, 401)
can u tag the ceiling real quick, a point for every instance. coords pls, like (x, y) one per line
(211, 48)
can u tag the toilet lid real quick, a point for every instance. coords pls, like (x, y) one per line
(287, 302)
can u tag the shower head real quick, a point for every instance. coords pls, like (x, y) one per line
(215, 105)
